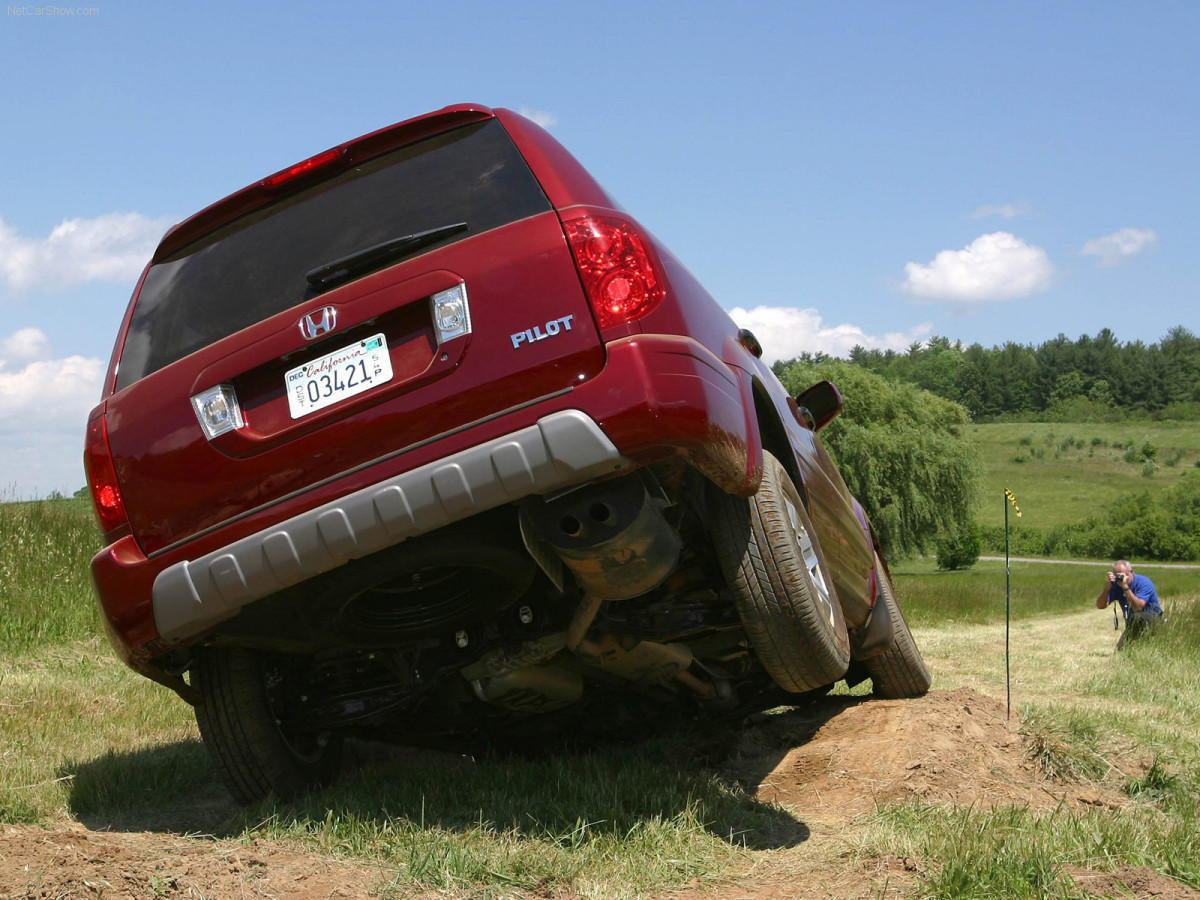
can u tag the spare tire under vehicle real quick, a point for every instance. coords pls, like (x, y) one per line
(247, 722)
(777, 575)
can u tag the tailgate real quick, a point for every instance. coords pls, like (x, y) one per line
(329, 379)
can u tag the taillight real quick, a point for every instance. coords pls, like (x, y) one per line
(102, 477)
(616, 267)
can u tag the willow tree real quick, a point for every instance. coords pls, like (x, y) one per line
(904, 452)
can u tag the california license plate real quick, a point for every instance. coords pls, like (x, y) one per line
(338, 375)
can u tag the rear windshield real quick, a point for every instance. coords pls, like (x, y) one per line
(255, 267)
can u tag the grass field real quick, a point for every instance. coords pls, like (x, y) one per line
(84, 739)
(1037, 589)
(1063, 473)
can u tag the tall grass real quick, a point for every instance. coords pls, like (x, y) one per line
(1014, 852)
(45, 586)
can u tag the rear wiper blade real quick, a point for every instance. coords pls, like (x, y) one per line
(369, 259)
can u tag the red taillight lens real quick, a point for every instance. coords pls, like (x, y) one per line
(617, 270)
(102, 477)
(291, 173)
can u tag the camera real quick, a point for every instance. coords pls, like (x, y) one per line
(1121, 580)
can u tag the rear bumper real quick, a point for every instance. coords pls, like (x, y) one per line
(658, 396)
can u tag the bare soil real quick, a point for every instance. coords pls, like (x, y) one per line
(829, 764)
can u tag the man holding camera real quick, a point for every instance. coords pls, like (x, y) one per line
(1137, 596)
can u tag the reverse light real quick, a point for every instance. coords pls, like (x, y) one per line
(218, 410)
(616, 267)
(451, 313)
(102, 477)
(291, 173)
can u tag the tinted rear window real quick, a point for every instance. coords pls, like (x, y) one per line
(255, 266)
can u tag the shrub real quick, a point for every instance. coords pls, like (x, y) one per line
(1153, 537)
(1091, 538)
(1186, 411)
(959, 549)
(1022, 541)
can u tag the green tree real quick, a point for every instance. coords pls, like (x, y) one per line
(1099, 393)
(903, 451)
(1068, 386)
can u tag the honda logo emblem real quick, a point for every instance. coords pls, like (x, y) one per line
(318, 322)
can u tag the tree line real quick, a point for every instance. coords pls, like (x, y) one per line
(1089, 379)
(904, 450)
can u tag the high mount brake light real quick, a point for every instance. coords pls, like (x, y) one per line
(102, 477)
(617, 270)
(300, 169)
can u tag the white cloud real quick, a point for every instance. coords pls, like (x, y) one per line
(546, 119)
(1004, 210)
(44, 404)
(1119, 245)
(786, 331)
(112, 247)
(995, 266)
(50, 394)
(23, 346)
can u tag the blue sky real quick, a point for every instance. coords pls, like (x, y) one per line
(835, 173)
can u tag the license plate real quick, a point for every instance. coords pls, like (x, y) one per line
(338, 375)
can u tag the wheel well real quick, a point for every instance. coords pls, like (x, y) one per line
(774, 437)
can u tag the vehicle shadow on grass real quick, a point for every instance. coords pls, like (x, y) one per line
(698, 779)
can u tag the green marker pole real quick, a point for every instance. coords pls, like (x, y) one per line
(1007, 610)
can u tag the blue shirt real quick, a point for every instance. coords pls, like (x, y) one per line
(1143, 589)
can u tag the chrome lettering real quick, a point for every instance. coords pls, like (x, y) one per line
(535, 334)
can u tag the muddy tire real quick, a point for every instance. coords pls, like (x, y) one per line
(780, 583)
(899, 671)
(247, 719)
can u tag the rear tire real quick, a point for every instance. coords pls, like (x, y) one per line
(899, 671)
(780, 583)
(248, 722)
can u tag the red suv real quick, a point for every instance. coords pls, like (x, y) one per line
(425, 439)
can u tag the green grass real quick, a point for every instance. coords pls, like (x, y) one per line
(45, 584)
(1093, 714)
(1059, 484)
(1037, 589)
(83, 738)
(630, 819)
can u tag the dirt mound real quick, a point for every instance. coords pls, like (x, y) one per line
(827, 762)
(847, 756)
